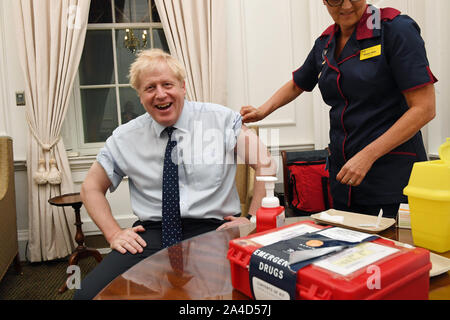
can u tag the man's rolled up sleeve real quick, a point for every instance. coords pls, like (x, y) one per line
(113, 171)
(233, 131)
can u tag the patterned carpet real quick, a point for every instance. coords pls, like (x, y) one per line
(41, 281)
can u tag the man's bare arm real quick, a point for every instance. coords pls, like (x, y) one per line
(252, 151)
(93, 191)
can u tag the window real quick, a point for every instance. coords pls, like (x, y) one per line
(103, 98)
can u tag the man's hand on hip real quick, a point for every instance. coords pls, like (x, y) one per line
(128, 240)
(234, 221)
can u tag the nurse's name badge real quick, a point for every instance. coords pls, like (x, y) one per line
(370, 52)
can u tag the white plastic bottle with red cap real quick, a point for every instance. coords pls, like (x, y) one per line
(270, 215)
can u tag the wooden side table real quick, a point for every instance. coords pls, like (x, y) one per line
(74, 200)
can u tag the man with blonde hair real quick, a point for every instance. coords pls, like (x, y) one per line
(149, 59)
(177, 160)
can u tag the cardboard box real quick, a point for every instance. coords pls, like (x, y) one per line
(404, 216)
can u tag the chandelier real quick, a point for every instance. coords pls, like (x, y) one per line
(132, 43)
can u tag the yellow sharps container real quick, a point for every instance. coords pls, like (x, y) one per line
(428, 194)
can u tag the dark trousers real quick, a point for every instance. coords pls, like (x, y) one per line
(115, 263)
(389, 210)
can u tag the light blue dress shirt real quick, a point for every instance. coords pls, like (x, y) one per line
(206, 136)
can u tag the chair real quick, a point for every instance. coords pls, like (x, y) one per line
(9, 248)
(245, 181)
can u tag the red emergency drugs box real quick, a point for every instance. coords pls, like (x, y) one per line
(374, 270)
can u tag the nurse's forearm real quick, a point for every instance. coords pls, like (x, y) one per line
(421, 104)
(422, 110)
(283, 96)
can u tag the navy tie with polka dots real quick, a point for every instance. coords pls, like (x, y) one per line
(171, 219)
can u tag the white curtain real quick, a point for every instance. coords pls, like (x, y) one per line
(196, 34)
(50, 39)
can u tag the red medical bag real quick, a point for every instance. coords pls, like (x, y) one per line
(307, 177)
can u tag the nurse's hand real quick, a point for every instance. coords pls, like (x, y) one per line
(355, 170)
(251, 114)
(234, 221)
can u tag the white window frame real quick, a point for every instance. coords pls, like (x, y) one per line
(72, 131)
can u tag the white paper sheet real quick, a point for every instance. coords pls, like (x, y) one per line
(284, 234)
(353, 259)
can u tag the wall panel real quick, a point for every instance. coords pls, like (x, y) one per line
(263, 55)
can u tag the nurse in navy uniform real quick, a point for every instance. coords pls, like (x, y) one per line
(372, 70)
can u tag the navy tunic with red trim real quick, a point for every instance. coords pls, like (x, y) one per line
(366, 99)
